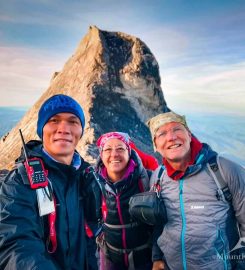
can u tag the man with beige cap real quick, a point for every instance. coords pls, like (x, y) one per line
(204, 195)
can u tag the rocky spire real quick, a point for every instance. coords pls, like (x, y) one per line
(115, 77)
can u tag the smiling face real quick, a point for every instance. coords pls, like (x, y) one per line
(115, 157)
(60, 136)
(172, 141)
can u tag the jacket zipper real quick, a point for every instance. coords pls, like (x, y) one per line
(183, 224)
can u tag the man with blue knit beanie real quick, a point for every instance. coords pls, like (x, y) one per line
(58, 104)
(44, 228)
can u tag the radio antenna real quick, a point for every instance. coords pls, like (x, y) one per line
(24, 145)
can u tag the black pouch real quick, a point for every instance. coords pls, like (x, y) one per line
(148, 207)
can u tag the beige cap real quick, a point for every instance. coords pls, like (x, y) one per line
(164, 118)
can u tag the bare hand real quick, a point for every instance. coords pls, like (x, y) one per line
(158, 265)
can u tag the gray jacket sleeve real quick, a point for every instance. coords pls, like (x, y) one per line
(234, 174)
(22, 243)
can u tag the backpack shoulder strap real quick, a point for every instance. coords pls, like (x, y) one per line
(160, 172)
(215, 170)
(156, 177)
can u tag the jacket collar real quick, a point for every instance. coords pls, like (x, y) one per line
(76, 159)
(35, 149)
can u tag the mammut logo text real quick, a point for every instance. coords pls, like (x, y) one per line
(197, 206)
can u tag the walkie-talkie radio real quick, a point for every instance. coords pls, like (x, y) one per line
(36, 173)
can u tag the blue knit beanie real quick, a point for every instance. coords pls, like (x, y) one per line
(58, 104)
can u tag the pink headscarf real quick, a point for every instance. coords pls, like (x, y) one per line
(124, 137)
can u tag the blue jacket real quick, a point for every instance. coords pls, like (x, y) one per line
(23, 233)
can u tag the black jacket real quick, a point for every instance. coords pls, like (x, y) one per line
(23, 233)
(120, 231)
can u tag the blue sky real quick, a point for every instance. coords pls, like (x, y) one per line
(199, 45)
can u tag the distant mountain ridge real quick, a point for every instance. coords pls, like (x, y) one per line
(223, 133)
(9, 117)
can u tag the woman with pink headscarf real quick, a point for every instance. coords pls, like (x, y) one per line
(124, 243)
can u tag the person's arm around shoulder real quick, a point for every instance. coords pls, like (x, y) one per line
(21, 229)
